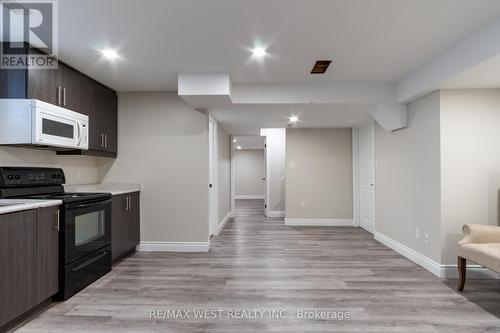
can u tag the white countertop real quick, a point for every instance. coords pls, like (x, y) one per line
(16, 205)
(113, 188)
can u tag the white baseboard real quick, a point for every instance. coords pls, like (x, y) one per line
(442, 271)
(222, 224)
(418, 258)
(318, 222)
(473, 271)
(173, 246)
(249, 196)
(276, 213)
(367, 225)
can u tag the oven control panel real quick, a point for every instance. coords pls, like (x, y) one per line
(24, 176)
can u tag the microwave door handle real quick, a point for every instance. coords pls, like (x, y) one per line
(79, 128)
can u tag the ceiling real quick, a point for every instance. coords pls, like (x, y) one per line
(248, 119)
(483, 75)
(369, 41)
(249, 142)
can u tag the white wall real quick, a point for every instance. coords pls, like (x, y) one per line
(275, 152)
(470, 152)
(319, 173)
(78, 169)
(249, 170)
(163, 145)
(224, 172)
(407, 195)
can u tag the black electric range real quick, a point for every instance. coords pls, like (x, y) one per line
(85, 220)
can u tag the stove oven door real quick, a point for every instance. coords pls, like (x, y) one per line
(87, 228)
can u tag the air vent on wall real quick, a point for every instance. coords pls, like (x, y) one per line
(320, 66)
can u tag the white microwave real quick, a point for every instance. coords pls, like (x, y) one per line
(33, 122)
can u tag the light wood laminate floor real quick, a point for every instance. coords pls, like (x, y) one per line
(258, 263)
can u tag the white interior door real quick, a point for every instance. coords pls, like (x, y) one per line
(367, 177)
(213, 209)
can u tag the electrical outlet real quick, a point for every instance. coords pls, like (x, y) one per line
(302, 203)
(426, 237)
(417, 234)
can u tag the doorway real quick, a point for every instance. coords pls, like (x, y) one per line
(248, 172)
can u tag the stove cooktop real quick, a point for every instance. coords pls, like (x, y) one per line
(71, 197)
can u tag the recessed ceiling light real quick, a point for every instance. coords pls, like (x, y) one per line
(259, 52)
(239, 147)
(234, 140)
(110, 54)
(293, 119)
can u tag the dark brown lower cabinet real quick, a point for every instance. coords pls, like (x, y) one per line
(18, 264)
(28, 260)
(125, 228)
(47, 243)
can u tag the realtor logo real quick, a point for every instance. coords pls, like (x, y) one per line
(28, 34)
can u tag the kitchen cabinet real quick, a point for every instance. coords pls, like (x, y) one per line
(29, 247)
(18, 263)
(125, 228)
(73, 90)
(47, 249)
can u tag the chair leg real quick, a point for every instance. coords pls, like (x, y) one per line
(462, 268)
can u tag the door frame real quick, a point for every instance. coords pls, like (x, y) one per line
(267, 186)
(213, 193)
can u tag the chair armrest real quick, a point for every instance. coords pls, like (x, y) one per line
(480, 233)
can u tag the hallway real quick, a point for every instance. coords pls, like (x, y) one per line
(258, 263)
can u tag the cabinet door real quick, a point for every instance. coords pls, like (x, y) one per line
(18, 264)
(119, 221)
(95, 112)
(74, 91)
(134, 220)
(111, 121)
(47, 235)
(43, 85)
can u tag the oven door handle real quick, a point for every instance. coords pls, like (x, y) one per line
(90, 261)
(90, 204)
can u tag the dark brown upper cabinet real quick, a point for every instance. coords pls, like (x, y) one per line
(73, 90)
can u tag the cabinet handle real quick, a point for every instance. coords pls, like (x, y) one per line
(102, 140)
(106, 141)
(126, 203)
(129, 204)
(58, 219)
(58, 97)
(64, 97)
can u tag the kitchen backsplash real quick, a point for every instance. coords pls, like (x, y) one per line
(78, 169)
